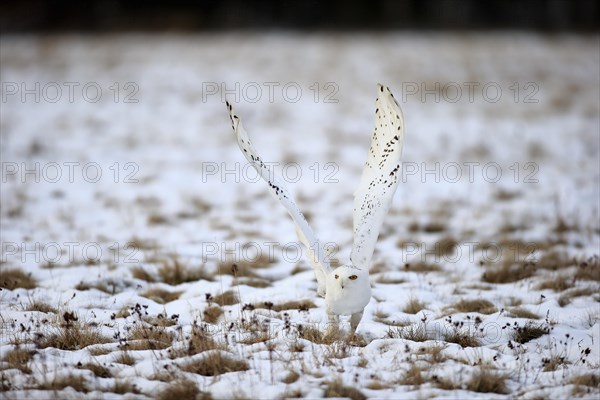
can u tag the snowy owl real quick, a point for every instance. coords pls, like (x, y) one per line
(347, 289)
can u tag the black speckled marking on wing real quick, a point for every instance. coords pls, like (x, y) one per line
(380, 177)
(279, 191)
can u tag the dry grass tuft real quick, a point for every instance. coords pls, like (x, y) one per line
(316, 336)
(19, 358)
(77, 382)
(486, 381)
(174, 272)
(71, 334)
(182, 389)
(291, 377)
(413, 376)
(122, 386)
(507, 272)
(13, 278)
(528, 332)
(211, 314)
(559, 283)
(98, 370)
(421, 267)
(589, 270)
(201, 340)
(41, 307)
(591, 380)
(520, 312)
(301, 305)
(245, 268)
(415, 333)
(480, 306)
(337, 389)
(554, 362)
(386, 280)
(414, 306)
(554, 261)
(148, 337)
(140, 273)
(227, 298)
(463, 339)
(434, 353)
(255, 282)
(214, 364)
(125, 358)
(161, 296)
(569, 295)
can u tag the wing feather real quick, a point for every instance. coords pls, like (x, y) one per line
(379, 178)
(317, 254)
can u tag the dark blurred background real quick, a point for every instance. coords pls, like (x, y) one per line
(215, 15)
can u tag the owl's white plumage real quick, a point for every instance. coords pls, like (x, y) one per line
(347, 289)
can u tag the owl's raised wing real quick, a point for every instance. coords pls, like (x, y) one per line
(316, 252)
(379, 178)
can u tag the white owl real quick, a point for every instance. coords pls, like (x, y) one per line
(347, 289)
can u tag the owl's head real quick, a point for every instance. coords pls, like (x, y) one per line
(349, 277)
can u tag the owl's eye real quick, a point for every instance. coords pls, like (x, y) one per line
(337, 276)
(353, 277)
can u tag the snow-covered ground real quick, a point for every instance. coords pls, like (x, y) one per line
(126, 203)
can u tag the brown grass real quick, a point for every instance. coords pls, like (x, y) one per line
(125, 358)
(507, 272)
(214, 364)
(301, 305)
(13, 278)
(227, 298)
(519, 312)
(77, 382)
(19, 358)
(182, 388)
(415, 333)
(98, 370)
(386, 280)
(148, 337)
(211, 314)
(122, 386)
(316, 336)
(200, 340)
(554, 261)
(161, 296)
(558, 283)
(589, 270)
(336, 388)
(255, 282)
(486, 381)
(41, 307)
(413, 376)
(463, 339)
(569, 295)
(421, 267)
(291, 377)
(414, 306)
(554, 362)
(480, 306)
(140, 273)
(528, 332)
(71, 334)
(434, 353)
(591, 380)
(174, 272)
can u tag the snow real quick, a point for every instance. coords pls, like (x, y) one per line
(173, 180)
